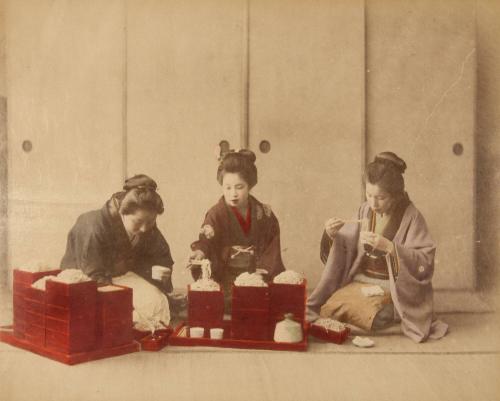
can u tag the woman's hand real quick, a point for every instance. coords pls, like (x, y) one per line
(332, 226)
(166, 276)
(376, 241)
(197, 254)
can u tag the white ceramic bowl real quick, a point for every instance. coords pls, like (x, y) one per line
(196, 332)
(157, 272)
(216, 334)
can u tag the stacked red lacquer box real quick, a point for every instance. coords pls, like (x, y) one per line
(205, 308)
(22, 282)
(287, 298)
(250, 313)
(71, 323)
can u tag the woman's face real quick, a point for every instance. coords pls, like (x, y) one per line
(235, 190)
(139, 222)
(379, 200)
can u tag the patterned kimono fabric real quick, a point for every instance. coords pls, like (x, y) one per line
(237, 244)
(241, 256)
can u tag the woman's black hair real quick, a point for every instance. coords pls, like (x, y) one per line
(140, 193)
(241, 162)
(386, 171)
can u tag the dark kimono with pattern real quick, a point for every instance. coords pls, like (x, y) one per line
(99, 246)
(264, 235)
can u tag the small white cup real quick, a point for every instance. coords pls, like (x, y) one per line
(157, 271)
(196, 332)
(216, 334)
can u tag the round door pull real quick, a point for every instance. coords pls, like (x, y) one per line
(265, 146)
(458, 149)
(27, 146)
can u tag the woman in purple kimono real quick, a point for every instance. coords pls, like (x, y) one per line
(379, 266)
(239, 233)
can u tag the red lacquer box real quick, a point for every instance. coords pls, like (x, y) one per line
(34, 301)
(205, 308)
(114, 325)
(22, 281)
(250, 324)
(250, 298)
(250, 313)
(71, 316)
(287, 298)
(337, 337)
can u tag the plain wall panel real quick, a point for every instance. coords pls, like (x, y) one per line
(306, 94)
(3, 74)
(488, 144)
(3, 151)
(421, 74)
(65, 79)
(185, 95)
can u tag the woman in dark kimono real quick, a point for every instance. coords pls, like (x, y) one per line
(239, 233)
(120, 244)
(379, 266)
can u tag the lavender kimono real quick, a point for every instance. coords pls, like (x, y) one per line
(410, 272)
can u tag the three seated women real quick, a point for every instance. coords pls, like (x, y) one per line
(378, 266)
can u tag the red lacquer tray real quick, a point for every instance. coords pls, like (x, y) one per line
(180, 336)
(337, 337)
(7, 336)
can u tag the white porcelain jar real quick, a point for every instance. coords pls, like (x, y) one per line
(288, 330)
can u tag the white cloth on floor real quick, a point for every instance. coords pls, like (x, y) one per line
(151, 309)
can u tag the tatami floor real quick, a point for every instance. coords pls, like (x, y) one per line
(465, 365)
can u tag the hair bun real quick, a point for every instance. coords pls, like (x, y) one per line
(392, 159)
(248, 154)
(140, 181)
(245, 153)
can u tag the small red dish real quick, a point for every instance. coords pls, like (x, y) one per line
(153, 342)
(337, 337)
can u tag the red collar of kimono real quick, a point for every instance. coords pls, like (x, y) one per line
(245, 223)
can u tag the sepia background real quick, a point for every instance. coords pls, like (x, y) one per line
(94, 91)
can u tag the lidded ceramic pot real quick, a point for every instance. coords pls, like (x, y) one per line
(288, 330)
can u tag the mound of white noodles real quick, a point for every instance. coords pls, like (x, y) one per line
(249, 280)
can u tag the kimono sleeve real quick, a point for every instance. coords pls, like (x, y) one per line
(415, 257)
(325, 245)
(156, 253)
(85, 250)
(270, 258)
(208, 236)
(326, 242)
